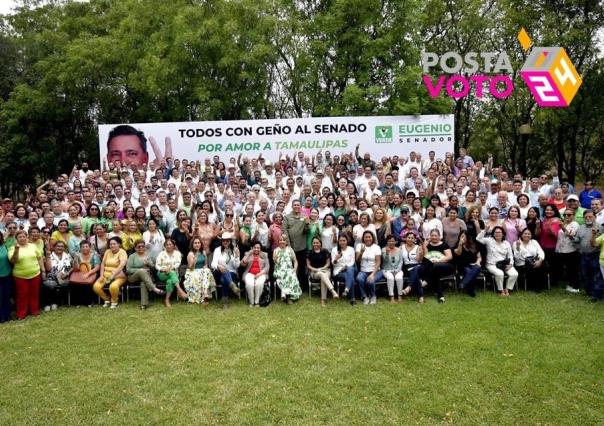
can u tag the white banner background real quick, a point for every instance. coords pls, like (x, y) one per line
(380, 136)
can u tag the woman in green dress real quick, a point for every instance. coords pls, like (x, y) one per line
(314, 228)
(285, 274)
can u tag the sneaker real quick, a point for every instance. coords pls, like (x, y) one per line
(441, 300)
(373, 300)
(46, 308)
(54, 307)
(345, 293)
(572, 289)
(113, 305)
(106, 304)
(424, 283)
(366, 301)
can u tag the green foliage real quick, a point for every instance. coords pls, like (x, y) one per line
(66, 67)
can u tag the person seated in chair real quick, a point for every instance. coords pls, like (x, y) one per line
(468, 261)
(255, 274)
(225, 262)
(139, 268)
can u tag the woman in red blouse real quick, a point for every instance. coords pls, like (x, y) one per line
(550, 225)
(256, 266)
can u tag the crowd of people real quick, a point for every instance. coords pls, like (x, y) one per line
(338, 222)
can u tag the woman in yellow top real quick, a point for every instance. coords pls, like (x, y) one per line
(131, 235)
(61, 234)
(28, 271)
(35, 237)
(112, 273)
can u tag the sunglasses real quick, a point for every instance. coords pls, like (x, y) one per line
(229, 215)
(568, 214)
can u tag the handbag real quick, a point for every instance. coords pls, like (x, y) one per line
(529, 261)
(265, 297)
(502, 263)
(77, 277)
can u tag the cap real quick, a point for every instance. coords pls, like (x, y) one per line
(188, 177)
(404, 210)
(494, 182)
(268, 164)
(227, 236)
(319, 172)
(255, 187)
(572, 197)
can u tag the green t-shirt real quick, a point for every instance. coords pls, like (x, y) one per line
(5, 266)
(27, 265)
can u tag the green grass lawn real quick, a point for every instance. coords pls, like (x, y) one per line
(529, 359)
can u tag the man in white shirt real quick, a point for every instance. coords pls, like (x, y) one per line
(361, 181)
(596, 207)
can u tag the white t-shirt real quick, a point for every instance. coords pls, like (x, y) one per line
(368, 257)
(327, 237)
(347, 259)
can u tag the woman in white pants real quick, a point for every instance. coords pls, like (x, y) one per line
(256, 266)
(392, 268)
(500, 259)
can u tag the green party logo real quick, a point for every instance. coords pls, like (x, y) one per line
(383, 134)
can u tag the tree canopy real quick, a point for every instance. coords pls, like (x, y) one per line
(69, 66)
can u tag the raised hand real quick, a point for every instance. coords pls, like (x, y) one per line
(157, 151)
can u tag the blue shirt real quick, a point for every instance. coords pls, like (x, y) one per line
(585, 198)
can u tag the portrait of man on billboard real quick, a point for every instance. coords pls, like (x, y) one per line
(129, 146)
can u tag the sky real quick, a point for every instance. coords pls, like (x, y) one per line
(6, 6)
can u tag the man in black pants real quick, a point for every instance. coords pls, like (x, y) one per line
(295, 226)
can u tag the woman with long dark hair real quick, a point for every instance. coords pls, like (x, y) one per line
(413, 255)
(225, 262)
(468, 260)
(369, 257)
(550, 227)
(529, 260)
(344, 266)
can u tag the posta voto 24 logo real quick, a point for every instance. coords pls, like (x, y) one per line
(548, 72)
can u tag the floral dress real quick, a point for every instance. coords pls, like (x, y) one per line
(285, 274)
(199, 282)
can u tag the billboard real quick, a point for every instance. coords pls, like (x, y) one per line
(380, 136)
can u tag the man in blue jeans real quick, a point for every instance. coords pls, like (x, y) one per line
(590, 262)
